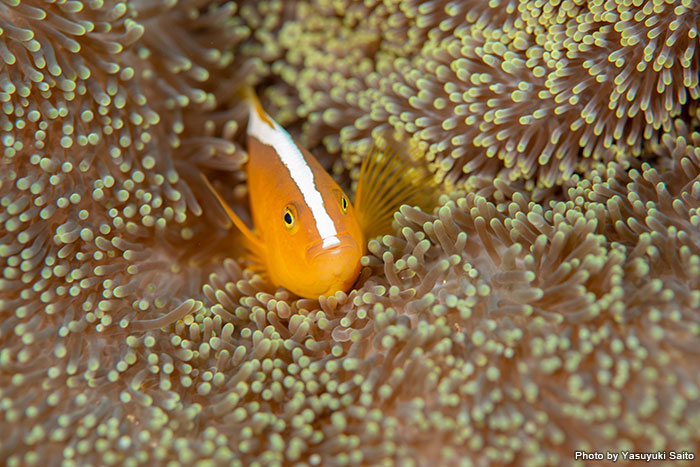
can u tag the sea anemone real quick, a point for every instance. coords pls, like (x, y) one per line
(547, 305)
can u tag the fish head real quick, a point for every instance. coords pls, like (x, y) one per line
(311, 260)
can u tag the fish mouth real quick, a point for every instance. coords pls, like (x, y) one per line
(330, 245)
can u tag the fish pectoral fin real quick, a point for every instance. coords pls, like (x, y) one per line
(253, 242)
(394, 173)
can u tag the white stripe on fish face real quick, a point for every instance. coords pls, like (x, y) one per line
(277, 137)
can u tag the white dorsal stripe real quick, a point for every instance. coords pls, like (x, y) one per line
(292, 158)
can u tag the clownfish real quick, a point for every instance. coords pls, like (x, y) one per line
(307, 236)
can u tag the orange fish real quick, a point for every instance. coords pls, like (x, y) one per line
(307, 236)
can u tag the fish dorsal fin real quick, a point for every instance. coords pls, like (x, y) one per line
(247, 93)
(393, 174)
(254, 243)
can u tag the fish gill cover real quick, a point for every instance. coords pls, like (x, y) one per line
(549, 305)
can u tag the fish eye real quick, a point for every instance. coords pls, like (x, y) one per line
(344, 203)
(289, 217)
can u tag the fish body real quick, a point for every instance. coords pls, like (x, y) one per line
(308, 237)
(311, 237)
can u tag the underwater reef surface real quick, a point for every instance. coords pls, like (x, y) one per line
(549, 304)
